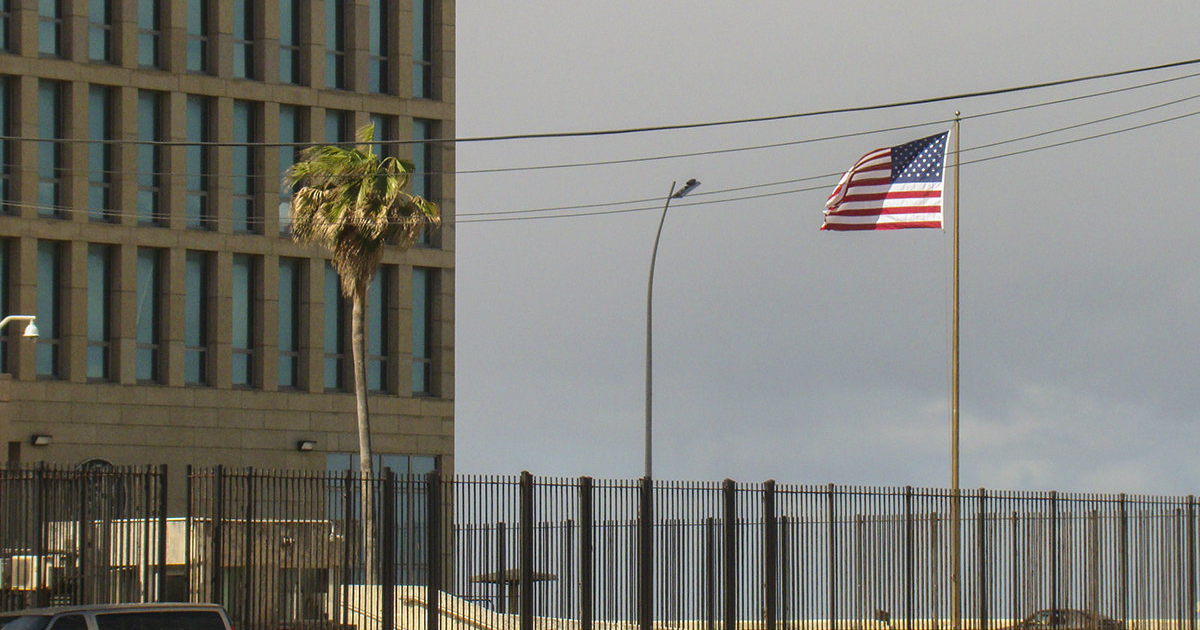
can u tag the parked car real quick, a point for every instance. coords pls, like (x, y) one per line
(1067, 619)
(118, 617)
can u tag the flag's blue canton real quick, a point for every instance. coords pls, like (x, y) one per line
(919, 160)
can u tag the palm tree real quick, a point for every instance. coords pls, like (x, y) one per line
(353, 203)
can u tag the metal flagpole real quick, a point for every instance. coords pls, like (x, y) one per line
(955, 499)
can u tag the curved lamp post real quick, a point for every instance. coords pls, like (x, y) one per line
(30, 330)
(674, 194)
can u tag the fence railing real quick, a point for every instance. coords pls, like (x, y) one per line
(284, 549)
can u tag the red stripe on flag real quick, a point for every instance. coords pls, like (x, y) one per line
(858, 227)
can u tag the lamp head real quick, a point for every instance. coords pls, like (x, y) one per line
(687, 188)
(31, 330)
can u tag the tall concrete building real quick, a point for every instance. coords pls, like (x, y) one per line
(145, 225)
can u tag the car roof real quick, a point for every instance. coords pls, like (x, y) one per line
(107, 608)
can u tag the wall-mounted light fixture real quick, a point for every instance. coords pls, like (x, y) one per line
(31, 329)
(41, 439)
(306, 445)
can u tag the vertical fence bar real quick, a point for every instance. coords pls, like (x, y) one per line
(729, 494)
(1123, 553)
(162, 533)
(502, 603)
(433, 485)
(770, 553)
(908, 558)
(386, 545)
(831, 513)
(248, 551)
(1191, 561)
(981, 542)
(645, 561)
(85, 478)
(525, 593)
(585, 553)
(348, 484)
(710, 573)
(218, 531)
(187, 533)
(1054, 559)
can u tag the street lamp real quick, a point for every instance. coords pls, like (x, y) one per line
(30, 330)
(674, 194)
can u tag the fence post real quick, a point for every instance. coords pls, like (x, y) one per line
(645, 563)
(348, 485)
(830, 515)
(433, 486)
(729, 492)
(386, 546)
(785, 575)
(710, 578)
(1191, 561)
(248, 551)
(1054, 555)
(585, 553)
(770, 553)
(502, 603)
(82, 538)
(162, 533)
(1123, 552)
(981, 540)
(187, 529)
(39, 546)
(908, 558)
(525, 593)
(218, 525)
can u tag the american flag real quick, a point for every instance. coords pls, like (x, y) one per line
(891, 189)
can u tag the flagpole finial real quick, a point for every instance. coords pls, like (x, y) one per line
(957, 113)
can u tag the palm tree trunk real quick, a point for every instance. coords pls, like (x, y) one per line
(359, 350)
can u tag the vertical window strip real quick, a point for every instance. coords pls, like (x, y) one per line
(289, 41)
(335, 330)
(149, 158)
(335, 44)
(199, 178)
(5, 147)
(338, 123)
(5, 24)
(148, 317)
(242, 370)
(49, 299)
(50, 18)
(289, 132)
(243, 39)
(100, 136)
(378, 51)
(197, 35)
(100, 28)
(4, 301)
(385, 134)
(149, 34)
(422, 49)
(246, 217)
(99, 307)
(196, 318)
(422, 331)
(289, 322)
(50, 150)
(422, 159)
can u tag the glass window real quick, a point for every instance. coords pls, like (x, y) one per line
(377, 329)
(197, 35)
(149, 158)
(422, 159)
(5, 20)
(289, 131)
(338, 124)
(99, 326)
(100, 30)
(243, 320)
(422, 331)
(5, 147)
(198, 178)
(195, 318)
(422, 48)
(335, 330)
(50, 152)
(335, 44)
(385, 135)
(289, 322)
(4, 284)
(49, 289)
(243, 39)
(50, 18)
(149, 31)
(149, 314)
(100, 135)
(289, 41)
(245, 212)
(378, 50)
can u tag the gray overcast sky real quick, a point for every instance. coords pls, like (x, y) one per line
(810, 357)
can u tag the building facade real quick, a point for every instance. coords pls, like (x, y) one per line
(145, 224)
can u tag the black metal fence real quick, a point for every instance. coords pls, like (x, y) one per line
(286, 550)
